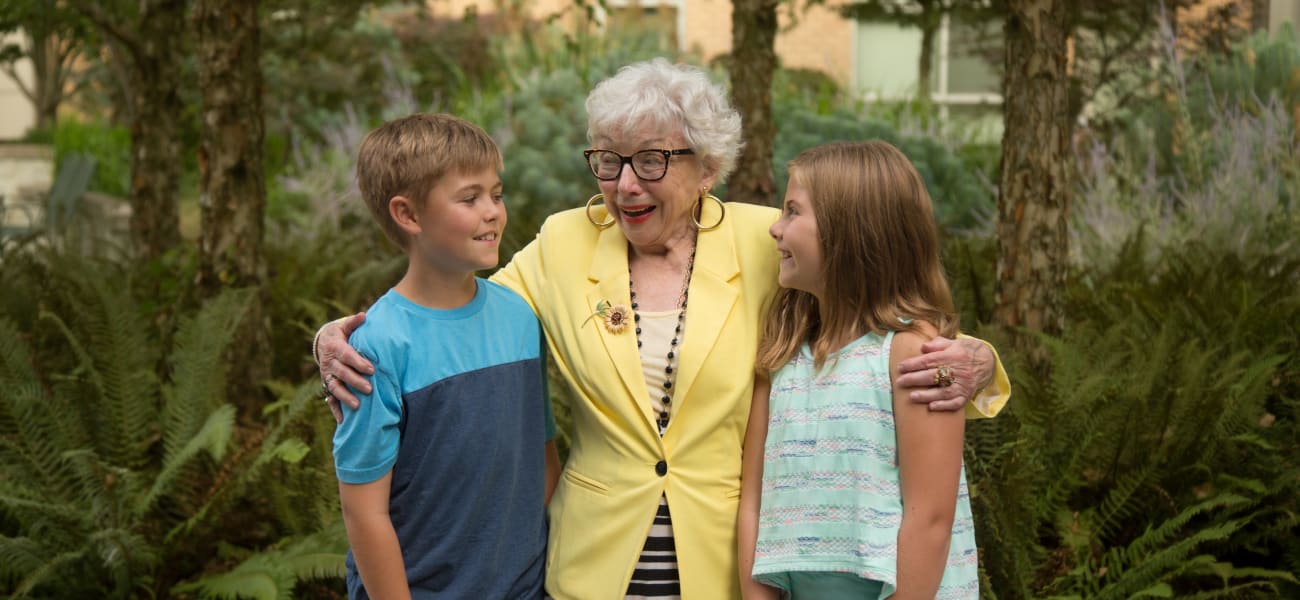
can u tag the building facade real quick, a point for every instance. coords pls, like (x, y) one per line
(16, 113)
(874, 60)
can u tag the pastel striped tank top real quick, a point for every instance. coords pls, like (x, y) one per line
(831, 495)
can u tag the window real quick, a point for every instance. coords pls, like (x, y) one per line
(886, 58)
(661, 18)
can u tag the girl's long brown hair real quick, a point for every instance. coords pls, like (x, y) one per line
(880, 252)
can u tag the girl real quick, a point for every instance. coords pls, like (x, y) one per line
(862, 492)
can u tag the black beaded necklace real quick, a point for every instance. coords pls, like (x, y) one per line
(667, 397)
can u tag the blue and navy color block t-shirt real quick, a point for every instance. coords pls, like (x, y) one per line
(460, 415)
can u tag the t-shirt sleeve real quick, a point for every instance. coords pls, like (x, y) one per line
(365, 444)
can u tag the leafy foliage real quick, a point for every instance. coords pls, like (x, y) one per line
(1154, 451)
(1157, 453)
(320, 57)
(116, 473)
(109, 145)
(1151, 452)
(1215, 163)
(530, 108)
(959, 196)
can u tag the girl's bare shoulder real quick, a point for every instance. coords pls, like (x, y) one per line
(907, 343)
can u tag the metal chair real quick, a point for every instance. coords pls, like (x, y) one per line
(61, 203)
(70, 184)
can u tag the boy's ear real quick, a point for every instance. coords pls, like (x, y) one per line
(404, 213)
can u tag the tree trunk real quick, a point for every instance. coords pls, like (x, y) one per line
(232, 194)
(1034, 195)
(925, 68)
(155, 128)
(1259, 15)
(753, 62)
(930, 21)
(47, 80)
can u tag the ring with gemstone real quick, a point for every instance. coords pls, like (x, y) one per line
(943, 376)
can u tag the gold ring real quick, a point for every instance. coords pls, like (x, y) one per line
(943, 376)
(325, 393)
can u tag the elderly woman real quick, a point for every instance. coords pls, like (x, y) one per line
(651, 297)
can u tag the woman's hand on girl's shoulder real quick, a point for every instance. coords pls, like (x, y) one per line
(967, 361)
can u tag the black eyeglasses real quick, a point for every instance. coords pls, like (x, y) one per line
(648, 165)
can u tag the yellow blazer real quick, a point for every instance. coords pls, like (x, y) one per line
(609, 491)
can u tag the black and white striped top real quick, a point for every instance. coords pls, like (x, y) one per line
(655, 575)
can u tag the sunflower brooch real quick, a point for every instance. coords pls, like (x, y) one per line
(615, 316)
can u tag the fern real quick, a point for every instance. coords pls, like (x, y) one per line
(274, 446)
(1118, 506)
(272, 574)
(43, 571)
(212, 437)
(114, 477)
(1161, 553)
(115, 357)
(195, 417)
(1139, 448)
(198, 371)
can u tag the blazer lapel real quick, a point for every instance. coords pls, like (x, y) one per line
(712, 297)
(608, 274)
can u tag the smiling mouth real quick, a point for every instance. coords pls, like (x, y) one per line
(487, 237)
(635, 213)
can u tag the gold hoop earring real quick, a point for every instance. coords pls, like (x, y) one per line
(598, 225)
(699, 212)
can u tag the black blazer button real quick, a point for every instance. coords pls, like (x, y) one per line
(661, 468)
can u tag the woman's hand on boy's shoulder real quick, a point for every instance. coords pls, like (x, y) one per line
(968, 361)
(341, 364)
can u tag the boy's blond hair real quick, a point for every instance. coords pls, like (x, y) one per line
(407, 156)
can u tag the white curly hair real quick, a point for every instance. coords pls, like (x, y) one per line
(661, 96)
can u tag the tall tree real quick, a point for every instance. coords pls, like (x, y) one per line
(146, 50)
(752, 64)
(53, 37)
(1034, 195)
(232, 192)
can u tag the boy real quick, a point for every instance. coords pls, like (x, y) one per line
(441, 470)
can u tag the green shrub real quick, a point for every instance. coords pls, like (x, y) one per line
(543, 139)
(1217, 163)
(446, 55)
(969, 262)
(109, 145)
(960, 199)
(318, 275)
(318, 63)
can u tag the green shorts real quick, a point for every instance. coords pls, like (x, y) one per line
(824, 585)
